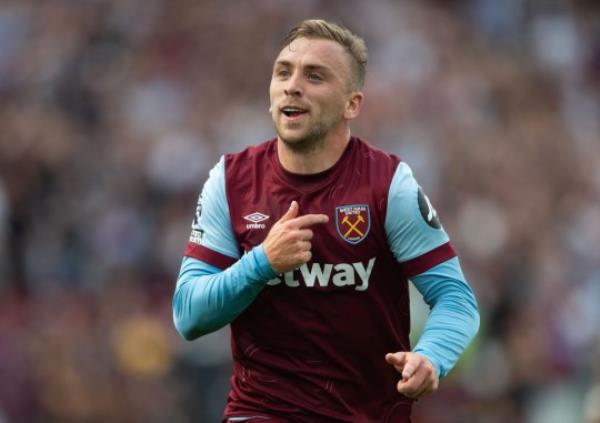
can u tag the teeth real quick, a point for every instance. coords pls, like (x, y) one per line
(292, 109)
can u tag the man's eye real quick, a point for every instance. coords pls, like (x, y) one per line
(282, 73)
(315, 77)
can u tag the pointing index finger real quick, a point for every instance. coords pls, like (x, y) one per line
(309, 220)
(397, 359)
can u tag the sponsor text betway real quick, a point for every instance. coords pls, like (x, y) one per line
(322, 274)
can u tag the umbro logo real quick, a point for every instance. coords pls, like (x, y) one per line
(255, 219)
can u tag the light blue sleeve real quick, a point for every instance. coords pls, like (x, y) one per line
(410, 234)
(207, 298)
(413, 229)
(211, 227)
(454, 317)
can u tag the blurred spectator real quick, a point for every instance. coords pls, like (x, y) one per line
(112, 112)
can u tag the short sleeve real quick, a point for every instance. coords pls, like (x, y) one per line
(212, 239)
(413, 229)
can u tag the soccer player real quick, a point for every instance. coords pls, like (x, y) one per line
(305, 243)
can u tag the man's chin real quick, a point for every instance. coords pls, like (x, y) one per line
(292, 139)
(303, 139)
(292, 136)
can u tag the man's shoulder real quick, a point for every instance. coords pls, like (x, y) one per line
(250, 161)
(378, 158)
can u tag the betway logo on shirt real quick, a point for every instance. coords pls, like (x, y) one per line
(322, 275)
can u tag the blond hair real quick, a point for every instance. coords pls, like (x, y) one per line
(352, 43)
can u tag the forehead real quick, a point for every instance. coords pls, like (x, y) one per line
(316, 52)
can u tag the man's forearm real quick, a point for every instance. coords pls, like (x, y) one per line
(454, 317)
(207, 298)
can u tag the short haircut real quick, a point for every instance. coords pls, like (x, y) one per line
(352, 43)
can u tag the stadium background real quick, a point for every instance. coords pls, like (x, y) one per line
(113, 111)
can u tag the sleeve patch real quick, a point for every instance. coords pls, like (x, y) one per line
(427, 211)
(197, 232)
(196, 221)
(196, 236)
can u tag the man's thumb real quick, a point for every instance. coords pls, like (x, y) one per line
(291, 213)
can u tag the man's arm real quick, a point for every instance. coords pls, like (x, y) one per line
(422, 247)
(207, 298)
(454, 317)
(214, 286)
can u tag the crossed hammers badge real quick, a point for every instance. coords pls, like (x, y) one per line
(353, 222)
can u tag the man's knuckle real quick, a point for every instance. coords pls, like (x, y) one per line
(410, 393)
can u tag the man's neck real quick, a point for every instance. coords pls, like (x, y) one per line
(316, 160)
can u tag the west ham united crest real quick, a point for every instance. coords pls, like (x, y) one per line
(353, 222)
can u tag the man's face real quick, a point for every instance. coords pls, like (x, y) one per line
(309, 91)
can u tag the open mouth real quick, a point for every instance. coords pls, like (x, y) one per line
(293, 112)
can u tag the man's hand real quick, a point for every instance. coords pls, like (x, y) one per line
(419, 377)
(287, 244)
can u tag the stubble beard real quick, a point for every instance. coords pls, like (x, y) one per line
(307, 143)
(313, 140)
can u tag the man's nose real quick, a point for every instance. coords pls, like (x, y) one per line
(293, 85)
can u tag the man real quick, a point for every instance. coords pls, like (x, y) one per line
(304, 245)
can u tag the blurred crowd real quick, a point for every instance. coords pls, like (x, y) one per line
(112, 112)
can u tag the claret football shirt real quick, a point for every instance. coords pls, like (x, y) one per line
(310, 345)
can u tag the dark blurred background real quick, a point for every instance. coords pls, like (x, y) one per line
(113, 111)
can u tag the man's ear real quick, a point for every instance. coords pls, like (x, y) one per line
(353, 105)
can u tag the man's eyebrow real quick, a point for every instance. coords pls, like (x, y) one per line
(282, 63)
(317, 67)
(309, 66)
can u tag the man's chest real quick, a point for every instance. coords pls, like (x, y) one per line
(356, 213)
